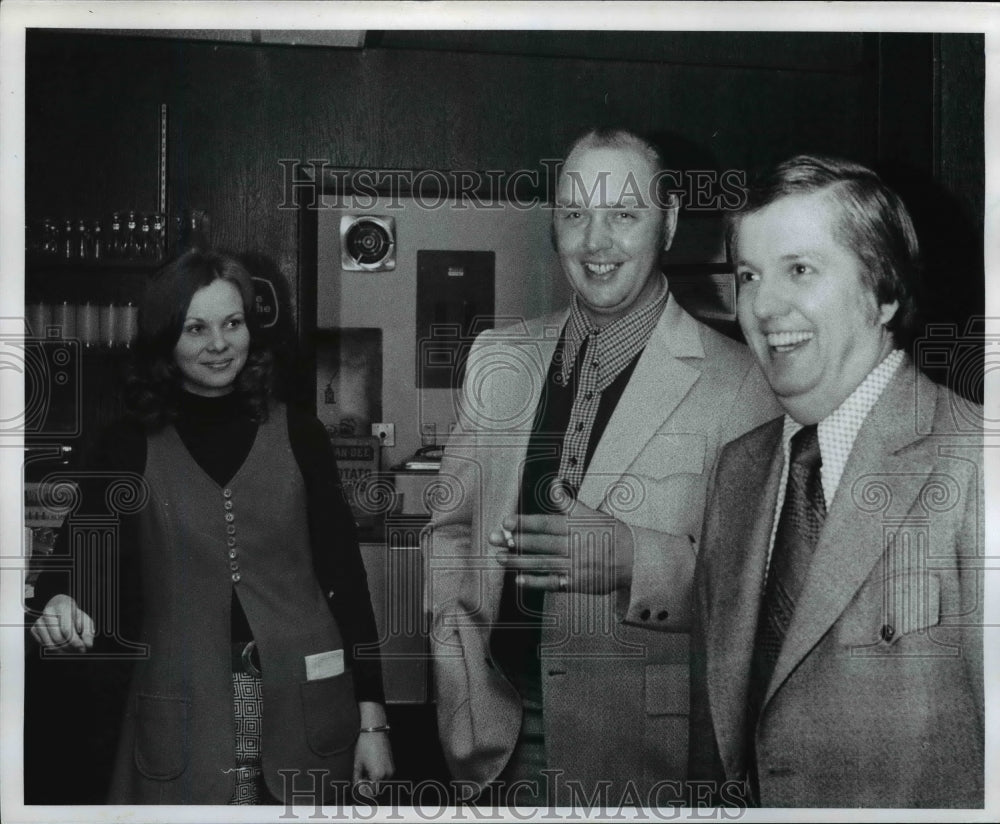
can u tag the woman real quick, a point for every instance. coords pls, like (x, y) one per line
(252, 591)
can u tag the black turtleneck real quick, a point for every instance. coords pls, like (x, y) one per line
(219, 434)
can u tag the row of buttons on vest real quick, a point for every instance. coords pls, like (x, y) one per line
(227, 505)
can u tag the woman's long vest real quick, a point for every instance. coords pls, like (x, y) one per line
(199, 541)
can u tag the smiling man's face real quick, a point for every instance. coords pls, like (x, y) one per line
(608, 230)
(806, 311)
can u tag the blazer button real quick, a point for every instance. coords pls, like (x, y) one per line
(887, 632)
(644, 615)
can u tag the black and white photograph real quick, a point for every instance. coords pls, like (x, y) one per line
(535, 411)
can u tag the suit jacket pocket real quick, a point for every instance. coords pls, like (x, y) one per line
(330, 712)
(664, 488)
(162, 736)
(667, 689)
(671, 453)
(889, 610)
(912, 604)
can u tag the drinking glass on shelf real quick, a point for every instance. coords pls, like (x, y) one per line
(39, 318)
(132, 249)
(128, 327)
(81, 241)
(146, 247)
(67, 242)
(116, 244)
(50, 238)
(64, 317)
(96, 248)
(88, 324)
(109, 320)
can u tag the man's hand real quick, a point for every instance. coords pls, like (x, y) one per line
(575, 550)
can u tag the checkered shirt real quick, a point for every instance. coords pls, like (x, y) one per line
(609, 350)
(837, 433)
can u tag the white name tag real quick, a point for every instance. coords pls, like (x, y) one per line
(324, 664)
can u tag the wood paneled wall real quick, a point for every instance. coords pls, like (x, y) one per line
(236, 110)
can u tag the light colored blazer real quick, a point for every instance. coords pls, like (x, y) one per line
(614, 668)
(877, 696)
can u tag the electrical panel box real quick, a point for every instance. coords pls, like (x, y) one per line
(454, 304)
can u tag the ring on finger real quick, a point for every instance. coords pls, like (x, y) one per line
(563, 583)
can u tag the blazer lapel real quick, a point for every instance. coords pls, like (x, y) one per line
(853, 538)
(658, 384)
(522, 360)
(737, 587)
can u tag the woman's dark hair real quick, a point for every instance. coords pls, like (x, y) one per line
(153, 386)
(873, 223)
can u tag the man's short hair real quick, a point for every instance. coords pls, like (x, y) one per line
(874, 224)
(614, 137)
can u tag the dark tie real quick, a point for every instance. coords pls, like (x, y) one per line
(799, 526)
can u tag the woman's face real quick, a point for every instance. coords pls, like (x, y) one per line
(214, 341)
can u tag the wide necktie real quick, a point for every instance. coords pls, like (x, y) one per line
(798, 531)
(799, 526)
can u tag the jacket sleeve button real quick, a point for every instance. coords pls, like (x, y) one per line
(662, 615)
(644, 615)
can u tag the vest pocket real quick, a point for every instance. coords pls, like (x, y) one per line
(330, 712)
(162, 736)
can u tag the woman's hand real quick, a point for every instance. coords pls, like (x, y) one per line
(63, 626)
(373, 753)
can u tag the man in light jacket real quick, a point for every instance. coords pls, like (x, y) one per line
(838, 646)
(560, 561)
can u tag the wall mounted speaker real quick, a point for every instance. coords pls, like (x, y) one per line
(367, 243)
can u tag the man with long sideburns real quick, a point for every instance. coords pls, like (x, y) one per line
(559, 589)
(838, 645)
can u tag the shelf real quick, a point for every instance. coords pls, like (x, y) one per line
(55, 281)
(42, 265)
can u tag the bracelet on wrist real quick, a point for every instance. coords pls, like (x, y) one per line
(383, 728)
